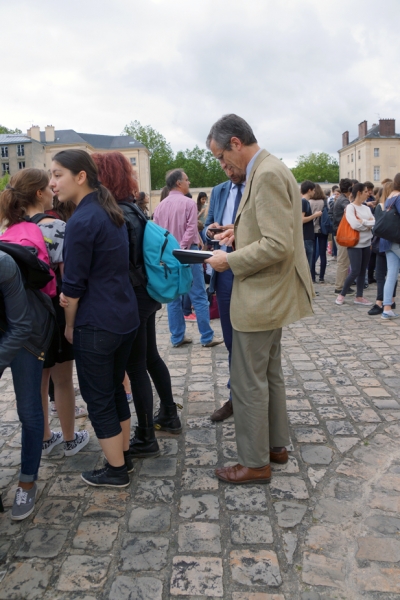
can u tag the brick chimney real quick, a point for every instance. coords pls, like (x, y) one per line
(49, 133)
(387, 127)
(345, 139)
(34, 132)
(362, 129)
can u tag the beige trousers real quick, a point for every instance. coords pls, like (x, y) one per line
(342, 266)
(258, 395)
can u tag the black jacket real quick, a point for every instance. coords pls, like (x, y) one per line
(338, 211)
(26, 315)
(135, 221)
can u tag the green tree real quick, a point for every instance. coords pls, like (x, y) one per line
(200, 166)
(6, 130)
(3, 181)
(161, 153)
(316, 166)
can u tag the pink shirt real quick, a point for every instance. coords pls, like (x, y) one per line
(178, 214)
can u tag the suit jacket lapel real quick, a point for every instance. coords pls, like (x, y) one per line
(246, 192)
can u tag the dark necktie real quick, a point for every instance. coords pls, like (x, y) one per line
(237, 201)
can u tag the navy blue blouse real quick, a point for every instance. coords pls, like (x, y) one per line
(96, 269)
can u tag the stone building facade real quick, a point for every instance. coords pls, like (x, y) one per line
(36, 148)
(374, 155)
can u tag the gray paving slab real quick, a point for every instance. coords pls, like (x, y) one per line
(326, 527)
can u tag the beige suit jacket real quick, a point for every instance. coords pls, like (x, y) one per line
(272, 285)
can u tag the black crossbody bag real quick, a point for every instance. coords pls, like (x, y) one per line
(388, 224)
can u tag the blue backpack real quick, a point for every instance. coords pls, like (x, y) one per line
(163, 276)
(325, 222)
(167, 278)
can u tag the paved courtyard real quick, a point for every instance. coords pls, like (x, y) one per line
(326, 527)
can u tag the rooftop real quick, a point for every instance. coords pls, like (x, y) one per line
(374, 133)
(69, 136)
(14, 138)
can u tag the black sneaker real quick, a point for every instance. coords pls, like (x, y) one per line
(166, 419)
(351, 292)
(107, 477)
(376, 310)
(128, 461)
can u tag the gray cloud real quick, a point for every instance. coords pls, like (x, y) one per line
(300, 72)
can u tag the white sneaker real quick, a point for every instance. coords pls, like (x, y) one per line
(48, 445)
(81, 439)
(24, 503)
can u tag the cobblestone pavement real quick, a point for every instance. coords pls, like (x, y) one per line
(326, 527)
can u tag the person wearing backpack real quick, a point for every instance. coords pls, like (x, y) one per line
(392, 251)
(25, 332)
(318, 204)
(100, 307)
(23, 207)
(116, 174)
(178, 215)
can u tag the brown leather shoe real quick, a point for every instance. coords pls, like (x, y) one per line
(241, 475)
(279, 455)
(223, 413)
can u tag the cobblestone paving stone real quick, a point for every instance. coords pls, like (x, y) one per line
(328, 525)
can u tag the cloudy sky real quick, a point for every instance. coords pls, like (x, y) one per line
(300, 71)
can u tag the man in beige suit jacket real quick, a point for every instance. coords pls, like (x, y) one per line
(272, 288)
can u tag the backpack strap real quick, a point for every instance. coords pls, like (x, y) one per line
(38, 217)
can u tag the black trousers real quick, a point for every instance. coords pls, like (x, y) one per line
(359, 258)
(145, 359)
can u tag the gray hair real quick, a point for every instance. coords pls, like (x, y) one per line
(230, 126)
(173, 177)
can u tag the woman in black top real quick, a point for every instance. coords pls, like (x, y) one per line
(116, 174)
(100, 307)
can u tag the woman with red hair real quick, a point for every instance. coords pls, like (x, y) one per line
(116, 174)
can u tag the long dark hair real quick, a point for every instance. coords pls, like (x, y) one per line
(20, 194)
(199, 199)
(79, 160)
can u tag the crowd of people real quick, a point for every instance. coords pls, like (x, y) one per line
(370, 259)
(85, 221)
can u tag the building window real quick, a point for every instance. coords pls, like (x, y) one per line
(21, 165)
(6, 168)
(376, 153)
(377, 173)
(359, 174)
(4, 152)
(352, 158)
(133, 161)
(348, 158)
(20, 150)
(352, 174)
(359, 154)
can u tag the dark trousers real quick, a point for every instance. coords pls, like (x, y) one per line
(144, 359)
(320, 246)
(101, 358)
(223, 289)
(309, 248)
(371, 267)
(380, 275)
(359, 258)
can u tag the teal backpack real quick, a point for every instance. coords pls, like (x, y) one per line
(166, 278)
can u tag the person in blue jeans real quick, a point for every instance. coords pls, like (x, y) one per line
(100, 307)
(392, 251)
(25, 335)
(178, 214)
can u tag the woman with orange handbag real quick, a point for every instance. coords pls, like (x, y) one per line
(359, 216)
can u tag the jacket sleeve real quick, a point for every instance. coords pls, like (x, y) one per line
(274, 216)
(19, 325)
(354, 223)
(78, 251)
(210, 216)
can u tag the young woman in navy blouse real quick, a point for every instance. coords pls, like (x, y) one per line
(100, 307)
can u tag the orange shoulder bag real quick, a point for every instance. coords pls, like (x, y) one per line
(346, 235)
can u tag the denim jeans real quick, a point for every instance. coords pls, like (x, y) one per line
(309, 248)
(27, 377)
(320, 245)
(101, 358)
(223, 289)
(393, 264)
(198, 297)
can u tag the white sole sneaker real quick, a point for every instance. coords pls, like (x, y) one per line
(81, 439)
(55, 440)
